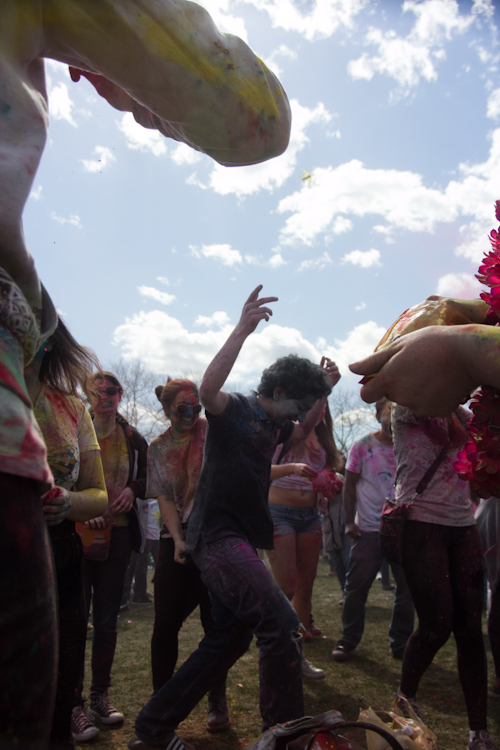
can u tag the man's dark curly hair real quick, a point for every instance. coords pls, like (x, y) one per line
(296, 376)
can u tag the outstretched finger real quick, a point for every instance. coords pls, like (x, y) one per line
(373, 363)
(254, 295)
(266, 300)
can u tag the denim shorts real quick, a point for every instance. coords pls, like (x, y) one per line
(288, 520)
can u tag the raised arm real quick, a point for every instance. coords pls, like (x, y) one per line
(303, 429)
(433, 370)
(211, 396)
(177, 72)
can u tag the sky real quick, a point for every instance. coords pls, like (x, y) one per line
(150, 249)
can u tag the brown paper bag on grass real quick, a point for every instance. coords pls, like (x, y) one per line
(412, 734)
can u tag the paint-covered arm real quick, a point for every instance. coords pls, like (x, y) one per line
(211, 396)
(349, 500)
(88, 500)
(303, 429)
(433, 370)
(194, 83)
(173, 523)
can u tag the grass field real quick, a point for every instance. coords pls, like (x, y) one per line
(369, 678)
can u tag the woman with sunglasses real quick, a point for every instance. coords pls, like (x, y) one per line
(174, 465)
(110, 539)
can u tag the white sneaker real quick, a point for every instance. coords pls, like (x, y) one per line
(101, 708)
(82, 726)
(309, 671)
(482, 741)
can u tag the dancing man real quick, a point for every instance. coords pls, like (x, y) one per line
(230, 519)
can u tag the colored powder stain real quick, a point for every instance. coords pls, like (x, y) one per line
(4, 108)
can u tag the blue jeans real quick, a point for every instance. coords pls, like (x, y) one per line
(364, 563)
(246, 600)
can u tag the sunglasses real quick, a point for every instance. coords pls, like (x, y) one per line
(111, 390)
(183, 408)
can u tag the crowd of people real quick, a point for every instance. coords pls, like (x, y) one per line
(253, 474)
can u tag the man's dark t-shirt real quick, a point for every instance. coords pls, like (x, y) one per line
(231, 497)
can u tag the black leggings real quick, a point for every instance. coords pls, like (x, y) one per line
(178, 590)
(494, 628)
(72, 617)
(443, 566)
(28, 630)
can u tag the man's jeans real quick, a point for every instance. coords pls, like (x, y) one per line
(246, 600)
(364, 564)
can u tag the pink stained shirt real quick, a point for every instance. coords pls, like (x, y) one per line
(417, 442)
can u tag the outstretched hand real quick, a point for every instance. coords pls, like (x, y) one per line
(253, 311)
(424, 370)
(331, 370)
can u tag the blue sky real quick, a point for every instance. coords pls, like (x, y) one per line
(150, 249)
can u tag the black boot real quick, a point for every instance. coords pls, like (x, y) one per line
(218, 712)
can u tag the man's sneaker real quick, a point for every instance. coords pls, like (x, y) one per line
(82, 727)
(313, 673)
(407, 706)
(141, 599)
(175, 743)
(101, 708)
(482, 741)
(342, 650)
(307, 636)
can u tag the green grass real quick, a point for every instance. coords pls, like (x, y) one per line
(370, 677)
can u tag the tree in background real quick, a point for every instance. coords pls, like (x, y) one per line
(139, 404)
(352, 418)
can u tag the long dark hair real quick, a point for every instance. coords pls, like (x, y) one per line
(324, 433)
(67, 366)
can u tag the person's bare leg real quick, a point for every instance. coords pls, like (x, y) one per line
(308, 548)
(283, 563)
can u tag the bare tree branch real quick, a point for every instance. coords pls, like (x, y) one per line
(352, 418)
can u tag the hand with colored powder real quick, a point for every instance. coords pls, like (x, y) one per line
(56, 504)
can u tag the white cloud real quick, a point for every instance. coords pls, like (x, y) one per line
(224, 253)
(60, 103)
(400, 198)
(223, 18)
(363, 259)
(282, 51)
(271, 174)
(359, 343)
(493, 105)
(104, 156)
(461, 285)
(361, 306)
(323, 20)
(218, 318)
(36, 193)
(164, 344)
(141, 139)
(321, 262)
(149, 291)
(277, 260)
(411, 58)
(74, 220)
(163, 280)
(184, 154)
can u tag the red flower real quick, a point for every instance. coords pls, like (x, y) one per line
(479, 461)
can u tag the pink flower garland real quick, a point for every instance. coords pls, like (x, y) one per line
(479, 460)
